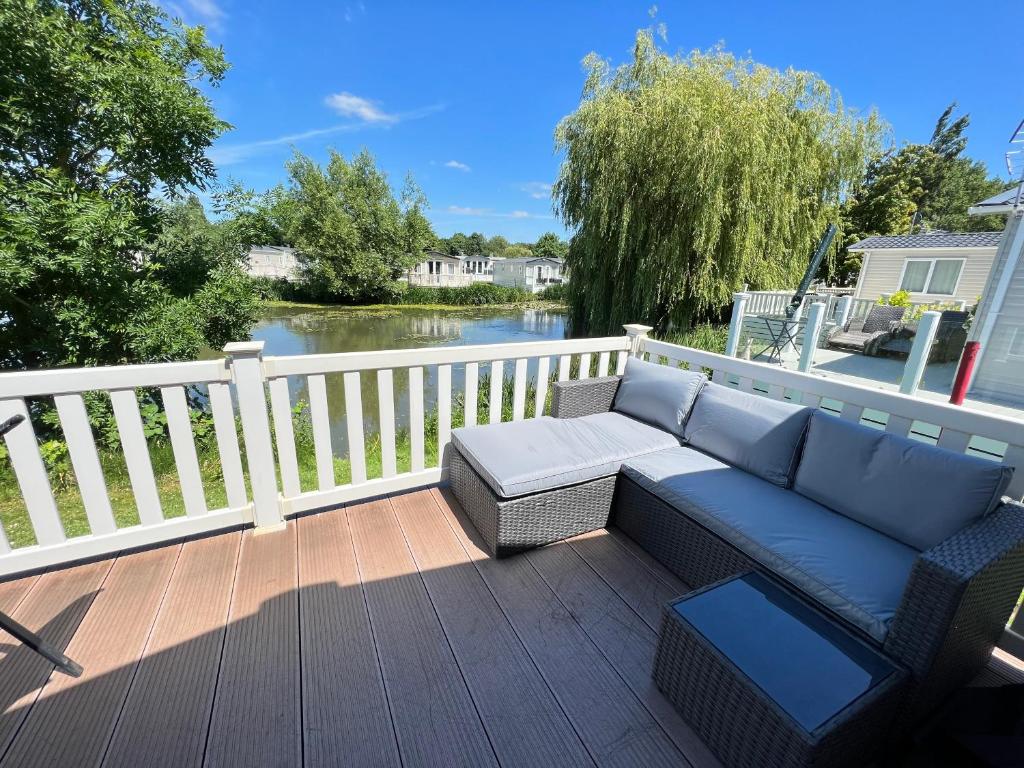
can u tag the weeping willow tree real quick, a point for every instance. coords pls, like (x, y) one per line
(685, 177)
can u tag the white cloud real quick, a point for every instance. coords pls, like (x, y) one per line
(232, 154)
(350, 105)
(460, 210)
(457, 166)
(538, 190)
(206, 12)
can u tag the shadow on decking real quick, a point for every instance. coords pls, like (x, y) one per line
(372, 635)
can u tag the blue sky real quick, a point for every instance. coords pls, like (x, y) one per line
(466, 95)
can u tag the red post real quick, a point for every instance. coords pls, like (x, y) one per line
(964, 371)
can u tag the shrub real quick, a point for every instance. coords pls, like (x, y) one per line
(475, 294)
(554, 292)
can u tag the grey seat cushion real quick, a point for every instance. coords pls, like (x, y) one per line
(520, 457)
(755, 433)
(658, 394)
(855, 571)
(914, 492)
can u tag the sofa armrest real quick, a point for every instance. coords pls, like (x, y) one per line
(874, 342)
(571, 399)
(957, 601)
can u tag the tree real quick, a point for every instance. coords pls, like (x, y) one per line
(929, 186)
(455, 245)
(102, 115)
(256, 219)
(496, 246)
(417, 232)
(550, 246)
(685, 177)
(353, 236)
(518, 251)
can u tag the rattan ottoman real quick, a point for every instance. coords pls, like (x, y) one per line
(513, 525)
(767, 680)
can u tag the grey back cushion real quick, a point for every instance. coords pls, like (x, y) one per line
(657, 394)
(754, 433)
(916, 493)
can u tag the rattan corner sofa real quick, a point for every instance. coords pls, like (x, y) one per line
(910, 546)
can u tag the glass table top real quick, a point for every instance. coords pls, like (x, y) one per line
(810, 667)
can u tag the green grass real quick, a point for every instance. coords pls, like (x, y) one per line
(711, 338)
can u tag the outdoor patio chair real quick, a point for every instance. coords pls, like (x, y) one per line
(868, 334)
(950, 337)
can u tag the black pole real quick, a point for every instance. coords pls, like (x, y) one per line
(812, 270)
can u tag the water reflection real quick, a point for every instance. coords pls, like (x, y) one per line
(296, 331)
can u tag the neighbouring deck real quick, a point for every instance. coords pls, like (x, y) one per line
(377, 634)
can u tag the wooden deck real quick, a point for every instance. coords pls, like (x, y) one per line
(379, 634)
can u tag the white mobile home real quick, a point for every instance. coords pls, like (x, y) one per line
(274, 261)
(443, 269)
(939, 267)
(532, 273)
(999, 320)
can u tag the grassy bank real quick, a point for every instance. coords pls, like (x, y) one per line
(472, 295)
(539, 304)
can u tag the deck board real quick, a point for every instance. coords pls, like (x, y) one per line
(434, 715)
(53, 609)
(636, 584)
(71, 722)
(13, 592)
(614, 725)
(615, 627)
(374, 635)
(344, 706)
(180, 661)
(522, 717)
(256, 715)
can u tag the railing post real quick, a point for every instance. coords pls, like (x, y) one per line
(918, 359)
(637, 333)
(843, 307)
(739, 311)
(246, 361)
(815, 320)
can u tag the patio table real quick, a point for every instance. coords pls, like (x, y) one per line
(768, 680)
(780, 333)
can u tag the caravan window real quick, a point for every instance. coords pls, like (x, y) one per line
(935, 276)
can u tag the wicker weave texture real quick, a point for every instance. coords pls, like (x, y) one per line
(954, 608)
(747, 729)
(572, 399)
(513, 525)
(685, 547)
(956, 604)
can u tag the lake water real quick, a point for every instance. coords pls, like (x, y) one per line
(302, 331)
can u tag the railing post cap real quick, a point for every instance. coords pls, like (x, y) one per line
(244, 348)
(635, 329)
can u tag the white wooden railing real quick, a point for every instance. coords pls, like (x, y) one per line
(237, 388)
(237, 385)
(66, 388)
